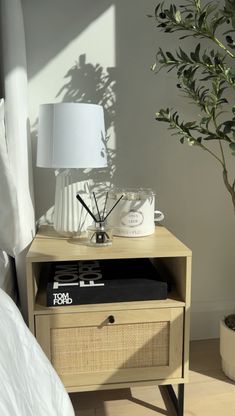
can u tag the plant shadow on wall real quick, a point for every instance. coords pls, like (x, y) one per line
(91, 83)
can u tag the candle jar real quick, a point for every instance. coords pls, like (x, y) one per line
(135, 214)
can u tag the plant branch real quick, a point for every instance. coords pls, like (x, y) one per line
(211, 153)
(221, 45)
(184, 131)
(228, 186)
(210, 64)
(203, 76)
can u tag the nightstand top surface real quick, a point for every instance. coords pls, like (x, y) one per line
(49, 246)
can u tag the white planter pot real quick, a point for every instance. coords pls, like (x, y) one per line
(227, 350)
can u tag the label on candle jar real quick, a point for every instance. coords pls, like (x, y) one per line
(132, 219)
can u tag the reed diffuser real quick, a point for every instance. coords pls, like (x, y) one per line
(100, 234)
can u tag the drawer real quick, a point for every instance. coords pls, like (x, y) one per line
(103, 347)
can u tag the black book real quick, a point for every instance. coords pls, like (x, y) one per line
(104, 281)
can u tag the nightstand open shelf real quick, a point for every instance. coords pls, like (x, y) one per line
(147, 343)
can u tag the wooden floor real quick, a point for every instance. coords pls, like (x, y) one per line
(209, 392)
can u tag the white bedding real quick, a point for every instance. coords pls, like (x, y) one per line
(29, 386)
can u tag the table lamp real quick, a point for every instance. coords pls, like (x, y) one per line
(70, 135)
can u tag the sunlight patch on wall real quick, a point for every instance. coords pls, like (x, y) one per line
(83, 71)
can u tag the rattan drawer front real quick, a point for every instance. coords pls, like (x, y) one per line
(86, 349)
(92, 349)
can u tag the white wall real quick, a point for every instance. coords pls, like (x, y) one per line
(187, 182)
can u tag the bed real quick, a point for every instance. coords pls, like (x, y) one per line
(29, 386)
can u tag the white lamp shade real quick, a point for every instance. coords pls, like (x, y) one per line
(71, 135)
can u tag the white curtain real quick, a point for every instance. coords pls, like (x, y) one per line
(18, 175)
(8, 192)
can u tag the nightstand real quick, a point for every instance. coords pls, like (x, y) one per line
(121, 344)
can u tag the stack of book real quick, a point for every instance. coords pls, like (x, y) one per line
(93, 281)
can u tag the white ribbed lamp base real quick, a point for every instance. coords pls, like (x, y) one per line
(70, 217)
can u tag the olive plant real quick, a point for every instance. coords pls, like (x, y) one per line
(204, 75)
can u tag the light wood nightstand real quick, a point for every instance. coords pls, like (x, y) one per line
(148, 342)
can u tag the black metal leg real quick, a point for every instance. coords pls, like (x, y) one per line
(181, 399)
(178, 402)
